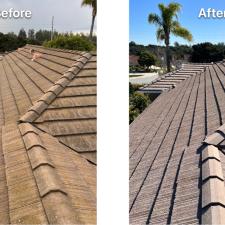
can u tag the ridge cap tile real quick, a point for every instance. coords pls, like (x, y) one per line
(50, 186)
(59, 209)
(48, 97)
(212, 168)
(38, 157)
(33, 113)
(87, 55)
(66, 76)
(74, 69)
(55, 89)
(69, 75)
(31, 140)
(47, 180)
(213, 190)
(214, 139)
(63, 82)
(210, 152)
(27, 128)
(39, 107)
(29, 116)
(82, 60)
(214, 215)
(222, 129)
(78, 64)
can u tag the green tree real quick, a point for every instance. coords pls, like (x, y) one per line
(147, 59)
(45, 35)
(207, 52)
(73, 42)
(31, 34)
(22, 34)
(93, 4)
(168, 24)
(139, 101)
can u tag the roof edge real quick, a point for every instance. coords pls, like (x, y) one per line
(42, 104)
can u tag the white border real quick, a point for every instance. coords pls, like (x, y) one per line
(112, 141)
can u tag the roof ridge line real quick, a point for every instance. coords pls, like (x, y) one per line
(35, 111)
(57, 49)
(212, 187)
(50, 186)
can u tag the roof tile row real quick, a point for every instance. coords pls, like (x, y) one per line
(43, 103)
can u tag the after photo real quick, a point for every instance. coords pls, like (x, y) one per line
(177, 112)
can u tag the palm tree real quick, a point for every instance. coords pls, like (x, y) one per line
(93, 4)
(167, 24)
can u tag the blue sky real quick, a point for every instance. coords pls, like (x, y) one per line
(212, 30)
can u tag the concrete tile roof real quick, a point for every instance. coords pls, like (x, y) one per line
(174, 179)
(43, 179)
(170, 80)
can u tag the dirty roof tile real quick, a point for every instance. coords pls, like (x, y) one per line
(42, 180)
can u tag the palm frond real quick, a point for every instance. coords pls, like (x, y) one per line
(182, 32)
(171, 11)
(91, 3)
(161, 7)
(155, 19)
(174, 7)
(175, 24)
(86, 2)
(160, 34)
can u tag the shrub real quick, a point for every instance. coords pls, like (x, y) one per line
(139, 101)
(133, 113)
(147, 59)
(73, 42)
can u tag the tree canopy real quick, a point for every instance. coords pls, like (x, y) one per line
(74, 42)
(208, 52)
(22, 34)
(147, 59)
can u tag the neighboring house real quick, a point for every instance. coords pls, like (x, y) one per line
(48, 137)
(177, 161)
